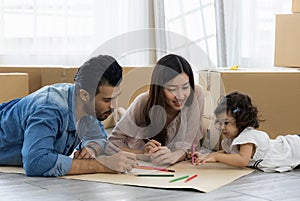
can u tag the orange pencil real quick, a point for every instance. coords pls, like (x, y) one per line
(191, 177)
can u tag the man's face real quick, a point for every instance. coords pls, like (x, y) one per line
(106, 101)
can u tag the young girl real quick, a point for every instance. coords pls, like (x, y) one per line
(244, 145)
(163, 123)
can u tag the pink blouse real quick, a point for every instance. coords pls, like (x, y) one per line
(182, 131)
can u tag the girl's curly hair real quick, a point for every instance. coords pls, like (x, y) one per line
(240, 107)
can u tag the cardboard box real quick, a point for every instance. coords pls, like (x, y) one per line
(52, 75)
(135, 81)
(275, 93)
(40, 76)
(34, 74)
(296, 6)
(13, 85)
(287, 40)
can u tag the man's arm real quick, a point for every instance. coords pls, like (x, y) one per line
(119, 162)
(85, 166)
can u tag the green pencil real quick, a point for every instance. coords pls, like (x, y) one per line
(179, 178)
(155, 175)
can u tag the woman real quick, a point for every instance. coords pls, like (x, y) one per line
(165, 122)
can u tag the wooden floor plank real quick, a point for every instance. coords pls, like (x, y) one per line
(257, 186)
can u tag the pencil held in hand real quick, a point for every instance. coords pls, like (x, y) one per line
(192, 153)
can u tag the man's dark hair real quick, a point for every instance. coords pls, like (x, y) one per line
(97, 71)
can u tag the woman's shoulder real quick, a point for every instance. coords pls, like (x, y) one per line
(199, 91)
(199, 88)
(140, 100)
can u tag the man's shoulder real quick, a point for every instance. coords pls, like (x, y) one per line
(56, 94)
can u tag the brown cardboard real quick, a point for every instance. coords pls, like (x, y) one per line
(13, 85)
(34, 74)
(296, 6)
(287, 40)
(52, 75)
(135, 81)
(276, 94)
(211, 176)
(40, 76)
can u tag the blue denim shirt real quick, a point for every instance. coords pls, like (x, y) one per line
(39, 131)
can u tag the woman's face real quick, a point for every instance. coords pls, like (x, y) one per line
(177, 92)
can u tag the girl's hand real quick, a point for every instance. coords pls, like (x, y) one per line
(151, 144)
(206, 158)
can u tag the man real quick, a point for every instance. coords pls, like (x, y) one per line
(41, 130)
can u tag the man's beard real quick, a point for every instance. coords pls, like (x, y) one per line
(102, 116)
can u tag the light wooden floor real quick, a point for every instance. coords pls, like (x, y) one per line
(254, 187)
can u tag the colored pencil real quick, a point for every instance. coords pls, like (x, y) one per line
(154, 175)
(179, 178)
(114, 148)
(191, 177)
(153, 168)
(192, 152)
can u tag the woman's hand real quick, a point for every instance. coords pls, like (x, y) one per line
(163, 155)
(120, 162)
(151, 144)
(91, 150)
(85, 153)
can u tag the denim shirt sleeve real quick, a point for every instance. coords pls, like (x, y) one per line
(62, 166)
(91, 130)
(41, 149)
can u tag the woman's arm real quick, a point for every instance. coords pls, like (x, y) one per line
(128, 134)
(194, 130)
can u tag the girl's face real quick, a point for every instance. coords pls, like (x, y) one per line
(226, 124)
(177, 92)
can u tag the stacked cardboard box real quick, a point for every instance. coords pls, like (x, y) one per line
(296, 6)
(287, 38)
(135, 79)
(13, 85)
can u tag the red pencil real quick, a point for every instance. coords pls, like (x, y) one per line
(191, 177)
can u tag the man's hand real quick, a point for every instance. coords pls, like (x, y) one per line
(121, 162)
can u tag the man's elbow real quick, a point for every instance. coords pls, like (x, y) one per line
(35, 167)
